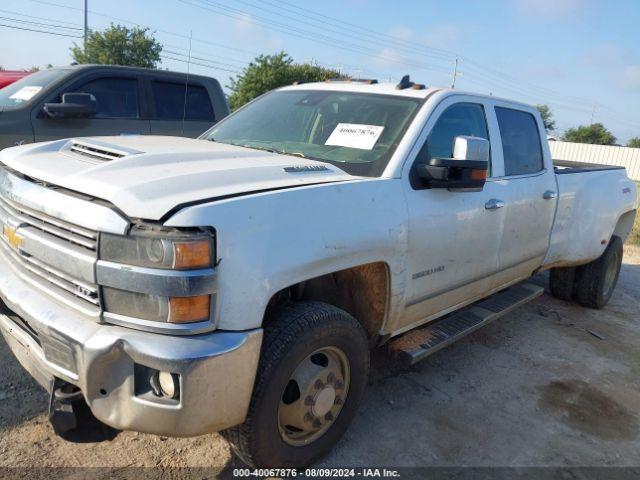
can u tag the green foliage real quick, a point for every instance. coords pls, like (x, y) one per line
(547, 118)
(634, 142)
(634, 237)
(596, 133)
(267, 72)
(119, 45)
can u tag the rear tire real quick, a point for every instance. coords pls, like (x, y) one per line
(596, 281)
(562, 282)
(312, 373)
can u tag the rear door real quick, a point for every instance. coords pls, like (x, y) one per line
(178, 108)
(528, 190)
(119, 109)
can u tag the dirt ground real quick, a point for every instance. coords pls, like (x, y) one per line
(552, 384)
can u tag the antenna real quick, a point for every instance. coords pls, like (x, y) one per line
(186, 83)
(455, 74)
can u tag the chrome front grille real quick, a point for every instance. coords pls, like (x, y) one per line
(54, 255)
(53, 226)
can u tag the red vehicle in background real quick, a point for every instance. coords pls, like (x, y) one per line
(7, 77)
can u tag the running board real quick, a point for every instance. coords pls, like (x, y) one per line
(421, 342)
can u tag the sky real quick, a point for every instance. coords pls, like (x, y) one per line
(580, 57)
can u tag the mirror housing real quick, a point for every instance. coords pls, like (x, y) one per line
(74, 105)
(466, 171)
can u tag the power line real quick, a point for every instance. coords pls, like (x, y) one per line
(39, 31)
(40, 18)
(130, 22)
(305, 34)
(199, 64)
(36, 24)
(202, 59)
(406, 45)
(368, 32)
(476, 72)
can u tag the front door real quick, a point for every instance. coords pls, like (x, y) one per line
(118, 112)
(453, 236)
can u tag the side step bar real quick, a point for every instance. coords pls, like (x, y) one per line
(419, 343)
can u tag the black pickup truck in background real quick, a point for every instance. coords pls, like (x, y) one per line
(94, 100)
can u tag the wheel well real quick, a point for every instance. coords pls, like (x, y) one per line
(362, 291)
(624, 225)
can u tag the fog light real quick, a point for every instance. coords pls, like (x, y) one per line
(169, 384)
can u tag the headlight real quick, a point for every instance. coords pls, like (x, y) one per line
(145, 247)
(168, 251)
(157, 308)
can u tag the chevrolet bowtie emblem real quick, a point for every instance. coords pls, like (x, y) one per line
(12, 236)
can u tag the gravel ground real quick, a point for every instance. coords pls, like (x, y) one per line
(552, 384)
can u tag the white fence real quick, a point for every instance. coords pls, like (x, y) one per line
(600, 154)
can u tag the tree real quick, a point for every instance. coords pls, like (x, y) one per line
(596, 133)
(547, 118)
(634, 142)
(119, 45)
(267, 72)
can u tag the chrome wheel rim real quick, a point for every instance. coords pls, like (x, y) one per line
(611, 273)
(314, 396)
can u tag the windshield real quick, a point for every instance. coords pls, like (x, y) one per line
(25, 89)
(357, 132)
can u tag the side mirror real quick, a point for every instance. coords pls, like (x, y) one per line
(466, 171)
(74, 105)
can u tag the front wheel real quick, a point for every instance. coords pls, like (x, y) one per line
(312, 372)
(596, 281)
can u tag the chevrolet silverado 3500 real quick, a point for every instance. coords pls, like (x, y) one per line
(237, 282)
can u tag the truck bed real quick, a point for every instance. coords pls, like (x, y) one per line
(590, 207)
(562, 167)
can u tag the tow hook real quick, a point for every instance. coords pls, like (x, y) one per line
(71, 417)
(62, 415)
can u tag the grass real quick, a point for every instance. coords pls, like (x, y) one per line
(634, 238)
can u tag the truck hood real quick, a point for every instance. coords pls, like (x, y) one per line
(148, 176)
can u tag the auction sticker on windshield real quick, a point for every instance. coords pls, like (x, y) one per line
(25, 93)
(355, 135)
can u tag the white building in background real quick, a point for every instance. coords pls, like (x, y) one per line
(600, 154)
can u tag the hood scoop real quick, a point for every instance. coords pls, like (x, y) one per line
(97, 152)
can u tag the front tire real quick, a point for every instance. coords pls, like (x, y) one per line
(596, 281)
(311, 376)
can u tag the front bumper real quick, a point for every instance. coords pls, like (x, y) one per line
(216, 369)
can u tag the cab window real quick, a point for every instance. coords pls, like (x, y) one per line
(173, 101)
(521, 145)
(465, 119)
(115, 97)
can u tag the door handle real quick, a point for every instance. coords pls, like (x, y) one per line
(494, 204)
(549, 194)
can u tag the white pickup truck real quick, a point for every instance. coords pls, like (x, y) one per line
(237, 282)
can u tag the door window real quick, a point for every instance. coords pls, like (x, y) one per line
(115, 97)
(521, 146)
(460, 119)
(171, 104)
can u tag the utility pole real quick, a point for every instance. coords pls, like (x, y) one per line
(455, 74)
(86, 23)
(593, 112)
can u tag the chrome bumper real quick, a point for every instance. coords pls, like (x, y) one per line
(50, 340)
